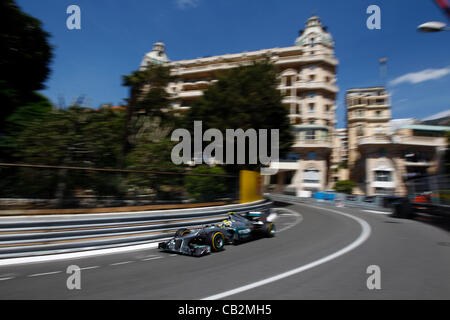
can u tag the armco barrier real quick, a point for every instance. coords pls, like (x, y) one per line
(374, 203)
(31, 236)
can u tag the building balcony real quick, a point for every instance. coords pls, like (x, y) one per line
(383, 184)
(369, 118)
(199, 85)
(374, 140)
(285, 166)
(420, 141)
(316, 85)
(421, 163)
(191, 94)
(312, 185)
(313, 143)
(290, 99)
(311, 85)
(329, 59)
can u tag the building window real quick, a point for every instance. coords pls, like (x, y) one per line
(288, 81)
(384, 192)
(288, 177)
(359, 113)
(311, 107)
(310, 134)
(360, 130)
(311, 176)
(378, 114)
(383, 176)
(311, 155)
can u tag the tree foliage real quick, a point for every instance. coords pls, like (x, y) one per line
(345, 186)
(148, 100)
(25, 55)
(36, 108)
(204, 188)
(74, 137)
(244, 98)
(154, 155)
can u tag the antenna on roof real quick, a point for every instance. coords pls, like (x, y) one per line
(383, 70)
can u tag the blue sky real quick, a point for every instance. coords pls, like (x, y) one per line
(115, 35)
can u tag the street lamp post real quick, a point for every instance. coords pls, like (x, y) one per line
(433, 26)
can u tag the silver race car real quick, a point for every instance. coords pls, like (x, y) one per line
(239, 227)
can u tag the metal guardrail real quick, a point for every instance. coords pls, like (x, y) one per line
(400, 207)
(355, 201)
(20, 237)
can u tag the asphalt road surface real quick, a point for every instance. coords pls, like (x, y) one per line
(318, 253)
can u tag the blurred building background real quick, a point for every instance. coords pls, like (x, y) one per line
(375, 151)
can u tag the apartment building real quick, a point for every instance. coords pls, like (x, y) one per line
(307, 82)
(385, 153)
(339, 158)
(373, 150)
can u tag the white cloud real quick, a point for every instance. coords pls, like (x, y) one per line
(421, 76)
(183, 4)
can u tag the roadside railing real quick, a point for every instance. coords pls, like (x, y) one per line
(339, 200)
(32, 236)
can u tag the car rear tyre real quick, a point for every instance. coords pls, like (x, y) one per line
(269, 230)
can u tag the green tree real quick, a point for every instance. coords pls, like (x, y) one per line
(345, 186)
(154, 155)
(74, 137)
(148, 99)
(206, 188)
(25, 57)
(244, 98)
(36, 108)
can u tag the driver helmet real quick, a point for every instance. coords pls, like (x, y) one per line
(226, 223)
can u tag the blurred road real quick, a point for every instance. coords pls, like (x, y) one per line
(414, 258)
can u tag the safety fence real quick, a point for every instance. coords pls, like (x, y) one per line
(340, 200)
(25, 236)
(39, 186)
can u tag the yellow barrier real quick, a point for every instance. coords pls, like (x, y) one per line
(250, 186)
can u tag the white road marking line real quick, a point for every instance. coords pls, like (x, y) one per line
(378, 212)
(90, 268)
(7, 278)
(153, 258)
(299, 218)
(149, 256)
(174, 255)
(43, 274)
(121, 263)
(75, 255)
(365, 234)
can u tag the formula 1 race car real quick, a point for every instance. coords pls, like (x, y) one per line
(237, 228)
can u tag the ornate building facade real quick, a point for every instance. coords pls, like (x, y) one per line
(365, 151)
